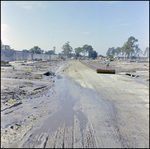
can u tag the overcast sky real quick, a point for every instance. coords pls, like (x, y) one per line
(101, 24)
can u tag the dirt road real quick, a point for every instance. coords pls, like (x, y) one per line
(83, 109)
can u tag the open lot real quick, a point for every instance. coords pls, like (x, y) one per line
(75, 106)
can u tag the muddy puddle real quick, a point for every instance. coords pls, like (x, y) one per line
(65, 114)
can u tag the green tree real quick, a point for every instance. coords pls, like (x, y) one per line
(130, 46)
(118, 50)
(93, 54)
(51, 52)
(78, 51)
(100, 55)
(7, 47)
(87, 48)
(137, 51)
(146, 52)
(111, 52)
(24, 50)
(54, 48)
(122, 52)
(84, 49)
(67, 49)
(36, 50)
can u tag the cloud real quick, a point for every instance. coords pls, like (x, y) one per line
(31, 4)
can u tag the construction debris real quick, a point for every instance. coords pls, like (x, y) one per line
(3, 63)
(39, 88)
(108, 71)
(132, 75)
(49, 73)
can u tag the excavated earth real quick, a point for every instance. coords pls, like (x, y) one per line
(73, 106)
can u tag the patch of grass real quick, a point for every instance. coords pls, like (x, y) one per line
(27, 71)
(28, 83)
(144, 59)
(43, 70)
(4, 63)
(132, 70)
(4, 71)
(36, 77)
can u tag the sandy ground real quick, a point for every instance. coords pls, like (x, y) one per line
(76, 107)
(17, 89)
(139, 69)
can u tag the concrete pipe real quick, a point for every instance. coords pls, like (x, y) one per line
(108, 71)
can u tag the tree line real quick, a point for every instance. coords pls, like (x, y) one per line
(86, 49)
(66, 50)
(130, 49)
(34, 50)
(80, 51)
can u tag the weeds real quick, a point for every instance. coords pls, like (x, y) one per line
(27, 71)
(132, 70)
(28, 83)
(43, 70)
(36, 77)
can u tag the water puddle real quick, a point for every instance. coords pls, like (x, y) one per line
(65, 115)
(83, 120)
